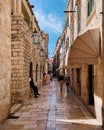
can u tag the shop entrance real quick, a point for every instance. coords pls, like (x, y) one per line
(79, 81)
(91, 84)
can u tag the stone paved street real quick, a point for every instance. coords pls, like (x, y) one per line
(52, 110)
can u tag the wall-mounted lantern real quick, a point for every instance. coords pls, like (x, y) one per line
(35, 37)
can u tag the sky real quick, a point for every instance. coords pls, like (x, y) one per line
(51, 19)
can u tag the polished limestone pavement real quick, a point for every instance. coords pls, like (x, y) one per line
(52, 110)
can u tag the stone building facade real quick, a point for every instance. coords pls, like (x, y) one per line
(20, 55)
(44, 52)
(57, 57)
(5, 58)
(26, 54)
(87, 78)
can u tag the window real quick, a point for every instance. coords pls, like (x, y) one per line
(78, 75)
(67, 44)
(62, 42)
(90, 7)
(30, 69)
(67, 21)
(79, 17)
(71, 4)
(72, 30)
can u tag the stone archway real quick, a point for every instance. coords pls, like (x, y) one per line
(31, 69)
(36, 72)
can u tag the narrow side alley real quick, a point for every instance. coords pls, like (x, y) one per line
(52, 110)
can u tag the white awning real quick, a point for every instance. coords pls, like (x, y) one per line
(85, 48)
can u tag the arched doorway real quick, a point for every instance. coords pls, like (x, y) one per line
(31, 69)
(36, 72)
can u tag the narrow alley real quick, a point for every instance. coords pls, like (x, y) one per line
(52, 110)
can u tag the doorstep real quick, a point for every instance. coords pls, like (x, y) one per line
(15, 108)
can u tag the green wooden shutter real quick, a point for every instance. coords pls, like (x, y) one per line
(90, 6)
(79, 17)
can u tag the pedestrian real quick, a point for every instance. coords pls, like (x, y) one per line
(51, 76)
(67, 82)
(61, 81)
(35, 88)
(44, 79)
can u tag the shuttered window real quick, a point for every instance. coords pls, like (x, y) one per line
(67, 44)
(79, 17)
(90, 6)
(72, 32)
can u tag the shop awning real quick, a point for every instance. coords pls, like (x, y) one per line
(85, 48)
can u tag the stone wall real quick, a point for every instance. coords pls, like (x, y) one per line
(5, 58)
(21, 58)
(23, 53)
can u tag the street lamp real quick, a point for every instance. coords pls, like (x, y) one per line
(35, 37)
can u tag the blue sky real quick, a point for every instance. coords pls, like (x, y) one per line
(51, 19)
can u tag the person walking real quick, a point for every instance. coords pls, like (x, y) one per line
(67, 82)
(35, 88)
(61, 81)
(44, 79)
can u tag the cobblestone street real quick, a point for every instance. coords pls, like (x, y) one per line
(52, 110)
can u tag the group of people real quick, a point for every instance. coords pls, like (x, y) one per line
(61, 80)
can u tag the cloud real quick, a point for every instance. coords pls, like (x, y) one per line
(49, 21)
